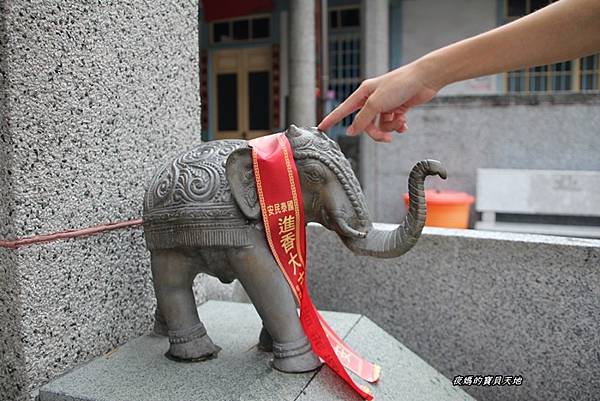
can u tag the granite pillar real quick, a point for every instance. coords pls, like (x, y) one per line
(375, 61)
(302, 72)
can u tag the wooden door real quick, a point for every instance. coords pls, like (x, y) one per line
(241, 93)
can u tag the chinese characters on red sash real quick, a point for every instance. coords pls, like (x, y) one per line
(280, 197)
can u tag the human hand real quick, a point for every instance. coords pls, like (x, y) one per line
(383, 102)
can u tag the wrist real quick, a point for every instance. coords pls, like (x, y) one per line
(433, 72)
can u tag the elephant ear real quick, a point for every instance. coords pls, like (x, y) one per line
(240, 175)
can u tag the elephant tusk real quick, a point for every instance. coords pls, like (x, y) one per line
(348, 231)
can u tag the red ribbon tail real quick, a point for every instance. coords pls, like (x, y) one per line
(351, 360)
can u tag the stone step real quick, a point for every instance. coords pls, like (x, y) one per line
(139, 371)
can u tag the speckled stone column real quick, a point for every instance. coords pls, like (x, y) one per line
(12, 360)
(303, 84)
(94, 96)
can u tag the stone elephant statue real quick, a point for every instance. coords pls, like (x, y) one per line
(202, 215)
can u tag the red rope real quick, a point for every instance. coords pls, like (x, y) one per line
(66, 234)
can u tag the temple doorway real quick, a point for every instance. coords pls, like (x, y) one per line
(242, 92)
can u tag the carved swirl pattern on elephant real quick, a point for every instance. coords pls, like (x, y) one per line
(195, 176)
(189, 202)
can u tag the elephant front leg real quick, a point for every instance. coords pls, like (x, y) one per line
(173, 275)
(270, 293)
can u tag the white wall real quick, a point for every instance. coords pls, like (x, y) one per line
(558, 132)
(430, 24)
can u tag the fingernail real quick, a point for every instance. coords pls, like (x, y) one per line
(350, 130)
(404, 127)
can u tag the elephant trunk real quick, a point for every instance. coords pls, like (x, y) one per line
(391, 244)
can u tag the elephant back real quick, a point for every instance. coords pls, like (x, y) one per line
(188, 202)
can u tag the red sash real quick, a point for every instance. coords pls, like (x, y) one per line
(283, 217)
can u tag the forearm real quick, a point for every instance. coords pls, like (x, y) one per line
(564, 30)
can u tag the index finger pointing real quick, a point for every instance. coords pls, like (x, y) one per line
(354, 102)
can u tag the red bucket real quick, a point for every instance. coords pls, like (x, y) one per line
(446, 208)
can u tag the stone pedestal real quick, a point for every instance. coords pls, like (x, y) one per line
(140, 371)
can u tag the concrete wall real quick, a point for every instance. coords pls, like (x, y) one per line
(94, 97)
(429, 24)
(531, 132)
(477, 303)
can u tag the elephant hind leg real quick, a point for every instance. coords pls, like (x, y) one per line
(265, 341)
(173, 274)
(160, 324)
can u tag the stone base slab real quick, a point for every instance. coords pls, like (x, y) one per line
(139, 370)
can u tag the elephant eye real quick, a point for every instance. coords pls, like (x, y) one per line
(314, 173)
